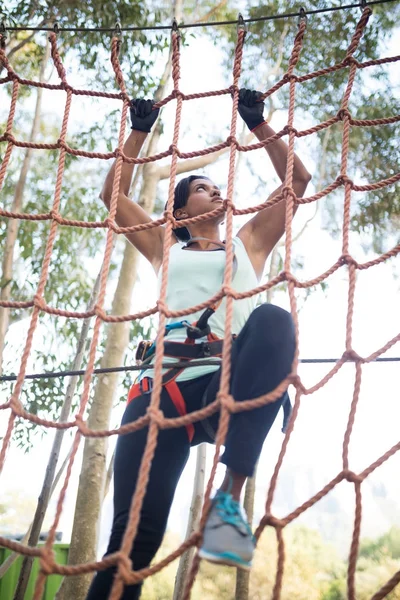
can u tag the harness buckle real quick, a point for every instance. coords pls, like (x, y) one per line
(205, 347)
(141, 351)
(195, 333)
(146, 385)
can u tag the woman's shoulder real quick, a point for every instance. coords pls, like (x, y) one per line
(176, 246)
(237, 241)
(243, 258)
(238, 244)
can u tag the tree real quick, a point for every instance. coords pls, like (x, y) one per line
(29, 255)
(372, 149)
(90, 47)
(12, 229)
(83, 544)
(26, 55)
(278, 51)
(309, 567)
(31, 246)
(387, 544)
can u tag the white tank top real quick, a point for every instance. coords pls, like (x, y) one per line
(194, 277)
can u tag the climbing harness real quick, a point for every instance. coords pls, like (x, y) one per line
(184, 351)
(187, 351)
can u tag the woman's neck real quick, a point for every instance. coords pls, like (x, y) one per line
(203, 244)
(209, 233)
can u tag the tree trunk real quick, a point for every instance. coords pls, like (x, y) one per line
(92, 478)
(91, 481)
(7, 564)
(243, 577)
(193, 521)
(49, 478)
(13, 224)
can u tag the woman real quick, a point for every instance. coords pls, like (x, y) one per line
(261, 356)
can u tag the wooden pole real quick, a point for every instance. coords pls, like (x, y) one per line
(193, 522)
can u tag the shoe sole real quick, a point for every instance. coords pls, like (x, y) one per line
(225, 560)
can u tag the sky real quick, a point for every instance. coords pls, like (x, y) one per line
(316, 442)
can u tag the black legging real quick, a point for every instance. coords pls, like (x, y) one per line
(262, 355)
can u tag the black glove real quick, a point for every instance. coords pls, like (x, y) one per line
(249, 109)
(142, 114)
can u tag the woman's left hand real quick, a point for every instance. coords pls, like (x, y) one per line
(143, 115)
(250, 108)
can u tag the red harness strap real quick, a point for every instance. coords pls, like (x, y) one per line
(174, 393)
(137, 389)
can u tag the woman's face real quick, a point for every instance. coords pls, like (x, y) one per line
(204, 196)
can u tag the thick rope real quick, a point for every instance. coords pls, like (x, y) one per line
(153, 411)
(225, 403)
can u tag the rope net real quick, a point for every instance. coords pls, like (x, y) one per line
(225, 403)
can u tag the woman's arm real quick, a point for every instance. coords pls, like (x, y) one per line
(148, 242)
(265, 229)
(278, 151)
(132, 148)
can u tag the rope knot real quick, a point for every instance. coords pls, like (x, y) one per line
(55, 216)
(343, 179)
(233, 88)
(288, 191)
(156, 415)
(232, 140)
(99, 312)
(347, 259)
(352, 355)
(196, 538)
(228, 204)
(273, 521)
(176, 93)
(162, 307)
(109, 223)
(295, 380)
(352, 477)
(124, 96)
(39, 302)
(343, 113)
(350, 60)
(288, 276)
(227, 291)
(16, 406)
(226, 401)
(173, 149)
(47, 561)
(125, 568)
(169, 216)
(289, 129)
(81, 425)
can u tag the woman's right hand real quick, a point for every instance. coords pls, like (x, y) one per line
(143, 116)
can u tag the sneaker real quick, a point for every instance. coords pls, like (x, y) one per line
(228, 539)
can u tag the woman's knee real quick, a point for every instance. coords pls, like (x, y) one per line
(273, 322)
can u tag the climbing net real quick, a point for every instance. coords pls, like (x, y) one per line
(225, 403)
